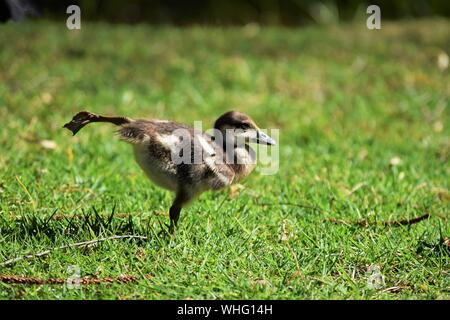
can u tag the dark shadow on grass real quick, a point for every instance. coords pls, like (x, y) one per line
(85, 225)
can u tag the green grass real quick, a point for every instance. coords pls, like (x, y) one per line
(346, 100)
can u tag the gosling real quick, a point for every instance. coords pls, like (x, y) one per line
(185, 160)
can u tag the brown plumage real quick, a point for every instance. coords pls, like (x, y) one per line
(179, 158)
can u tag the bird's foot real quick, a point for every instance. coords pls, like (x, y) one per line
(172, 228)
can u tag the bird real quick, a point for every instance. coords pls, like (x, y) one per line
(186, 160)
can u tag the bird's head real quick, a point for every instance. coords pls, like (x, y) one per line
(235, 126)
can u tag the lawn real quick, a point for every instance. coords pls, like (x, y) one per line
(364, 143)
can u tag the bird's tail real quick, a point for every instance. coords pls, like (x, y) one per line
(84, 117)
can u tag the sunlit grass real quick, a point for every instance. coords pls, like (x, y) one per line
(364, 134)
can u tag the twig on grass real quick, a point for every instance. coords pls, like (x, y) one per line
(364, 223)
(14, 279)
(396, 289)
(71, 245)
(406, 222)
(361, 223)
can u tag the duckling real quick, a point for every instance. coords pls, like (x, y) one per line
(185, 160)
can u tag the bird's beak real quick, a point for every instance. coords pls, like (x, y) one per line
(263, 138)
(254, 135)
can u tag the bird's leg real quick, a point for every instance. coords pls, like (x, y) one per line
(174, 215)
(180, 199)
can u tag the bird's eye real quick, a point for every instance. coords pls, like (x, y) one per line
(243, 126)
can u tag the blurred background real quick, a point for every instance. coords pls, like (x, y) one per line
(223, 12)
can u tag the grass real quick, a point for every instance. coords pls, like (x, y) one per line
(349, 104)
